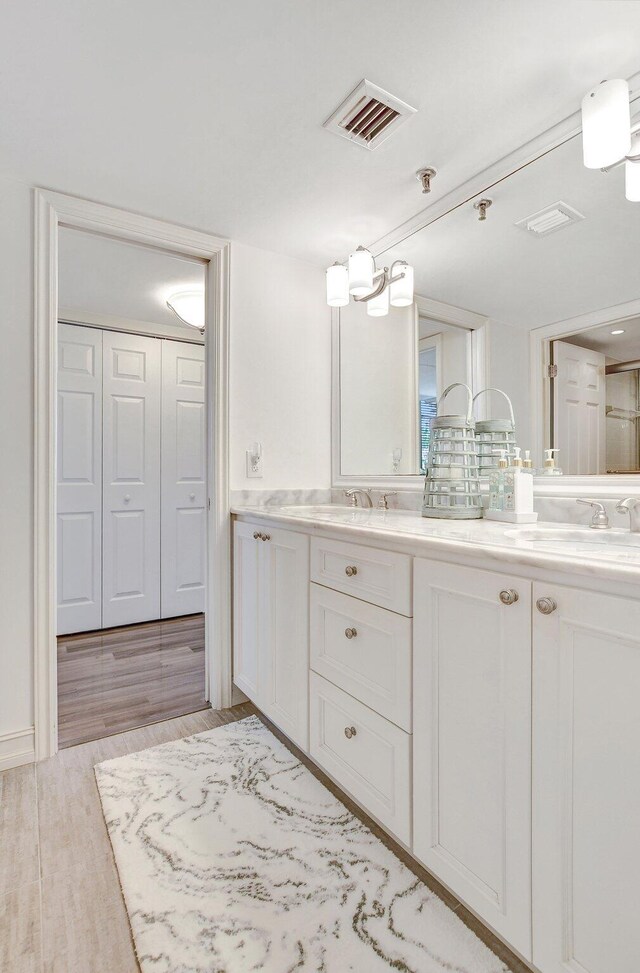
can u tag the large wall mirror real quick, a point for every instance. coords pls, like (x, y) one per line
(541, 299)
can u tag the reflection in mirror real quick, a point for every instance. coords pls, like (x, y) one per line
(595, 403)
(550, 272)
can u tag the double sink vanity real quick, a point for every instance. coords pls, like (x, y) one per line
(472, 686)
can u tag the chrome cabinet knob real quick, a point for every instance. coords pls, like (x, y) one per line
(349, 731)
(546, 605)
(127, 497)
(350, 633)
(508, 596)
(192, 496)
(256, 535)
(266, 537)
(351, 570)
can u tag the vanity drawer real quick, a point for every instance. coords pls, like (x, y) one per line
(381, 577)
(373, 763)
(364, 650)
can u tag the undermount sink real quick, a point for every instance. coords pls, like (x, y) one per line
(571, 537)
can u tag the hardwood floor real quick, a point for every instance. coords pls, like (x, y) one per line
(61, 908)
(120, 678)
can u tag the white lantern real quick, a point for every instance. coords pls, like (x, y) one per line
(361, 269)
(401, 290)
(632, 173)
(606, 124)
(337, 286)
(378, 306)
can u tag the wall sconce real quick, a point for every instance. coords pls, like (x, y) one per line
(188, 307)
(361, 280)
(609, 138)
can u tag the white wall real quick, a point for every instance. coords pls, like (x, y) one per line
(16, 522)
(280, 394)
(280, 371)
(509, 370)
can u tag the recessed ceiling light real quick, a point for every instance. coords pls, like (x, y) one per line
(618, 331)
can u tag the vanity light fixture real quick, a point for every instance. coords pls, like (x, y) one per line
(364, 282)
(606, 124)
(188, 306)
(609, 138)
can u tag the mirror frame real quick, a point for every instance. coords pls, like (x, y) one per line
(478, 372)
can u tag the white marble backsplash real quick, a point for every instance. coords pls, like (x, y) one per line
(550, 509)
(270, 498)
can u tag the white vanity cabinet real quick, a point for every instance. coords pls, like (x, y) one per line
(586, 782)
(271, 624)
(489, 719)
(472, 740)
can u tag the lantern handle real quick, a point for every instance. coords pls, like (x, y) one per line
(459, 385)
(492, 389)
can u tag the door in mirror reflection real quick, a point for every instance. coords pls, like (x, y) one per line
(595, 399)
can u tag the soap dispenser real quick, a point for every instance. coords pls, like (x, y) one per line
(550, 468)
(517, 493)
(497, 484)
(527, 463)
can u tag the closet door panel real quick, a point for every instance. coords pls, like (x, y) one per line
(184, 490)
(131, 503)
(79, 479)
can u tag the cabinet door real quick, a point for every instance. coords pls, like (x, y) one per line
(79, 484)
(131, 496)
(472, 741)
(184, 463)
(284, 632)
(586, 783)
(246, 609)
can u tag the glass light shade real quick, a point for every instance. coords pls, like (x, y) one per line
(401, 291)
(632, 174)
(378, 306)
(360, 273)
(189, 307)
(337, 286)
(606, 124)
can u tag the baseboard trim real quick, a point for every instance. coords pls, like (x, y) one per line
(17, 748)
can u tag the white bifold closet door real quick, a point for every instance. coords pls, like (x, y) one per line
(184, 466)
(131, 468)
(79, 479)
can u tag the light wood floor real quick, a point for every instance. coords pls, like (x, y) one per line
(61, 909)
(120, 678)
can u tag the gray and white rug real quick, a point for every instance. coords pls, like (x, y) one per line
(233, 858)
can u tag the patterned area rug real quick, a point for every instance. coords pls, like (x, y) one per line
(233, 858)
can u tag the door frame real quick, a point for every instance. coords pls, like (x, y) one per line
(52, 210)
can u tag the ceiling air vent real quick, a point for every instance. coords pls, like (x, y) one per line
(550, 219)
(368, 116)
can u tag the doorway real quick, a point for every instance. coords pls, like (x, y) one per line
(56, 213)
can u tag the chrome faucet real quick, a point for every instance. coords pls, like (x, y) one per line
(632, 506)
(353, 498)
(383, 502)
(599, 521)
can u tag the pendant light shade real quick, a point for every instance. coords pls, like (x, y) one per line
(606, 124)
(337, 286)
(632, 173)
(378, 306)
(361, 270)
(401, 290)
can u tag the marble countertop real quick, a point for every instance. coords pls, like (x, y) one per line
(612, 554)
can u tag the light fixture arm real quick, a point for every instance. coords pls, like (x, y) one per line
(384, 278)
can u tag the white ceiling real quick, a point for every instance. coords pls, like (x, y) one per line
(210, 113)
(499, 269)
(108, 277)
